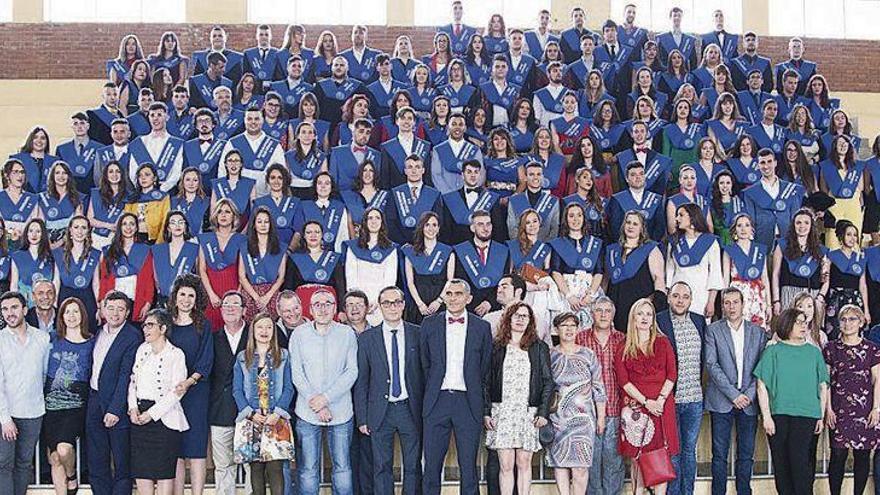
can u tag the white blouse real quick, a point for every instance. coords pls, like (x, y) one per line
(371, 278)
(154, 377)
(702, 277)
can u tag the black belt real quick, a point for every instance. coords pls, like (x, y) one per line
(404, 402)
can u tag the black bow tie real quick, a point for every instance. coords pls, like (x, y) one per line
(469, 190)
(204, 141)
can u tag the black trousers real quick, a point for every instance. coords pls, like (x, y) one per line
(790, 447)
(837, 468)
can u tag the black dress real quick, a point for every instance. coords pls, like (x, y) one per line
(627, 292)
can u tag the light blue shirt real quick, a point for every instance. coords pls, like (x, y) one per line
(22, 371)
(324, 364)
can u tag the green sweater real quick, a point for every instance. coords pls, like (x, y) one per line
(792, 374)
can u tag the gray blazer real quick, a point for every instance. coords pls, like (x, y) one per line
(721, 366)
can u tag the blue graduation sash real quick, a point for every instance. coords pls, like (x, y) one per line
(704, 180)
(624, 270)
(659, 100)
(683, 140)
(503, 169)
(518, 75)
(805, 266)
(607, 139)
(546, 203)
(5, 265)
(194, 211)
(667, 43)
(551, 104)
(536, 256)
(631, 39)
(736, 207)
(138, 124)
(229, 127)
(56, 212)
(686, 255)
(263, 69)
(522, 141)
(308, 167)
(80, 166)
(872, 165)
(316, 272)
(356, 205)
(749, 265)
(804, 72)
(338, 92)
(410, 211)
(657, 167)
(579, 70)
(593, 214)
(284, 213)
(104, 212)
(206, 162)
(805, 141)
(585, 259)
(105, 116)
(382, 98)
(458, 44)
(215, 258)
(572, 38)
(32, 270)
(428, 264)
(330, 221)
(744, 175)
(364, 69)
(262, 269)
(166, 272)
(483, 276)
(306, 54)
(533, 43)
(206, 86)
(344, 165)
(452, 163)
(854, 265)
(398, 156)
(552, 169)
(699, 200)
(131, 264)
(872, 261)
(789, 193)
(504, 99)
(672, 83)
(786, 105)
(702, 78)
(752, 110)
(570, 131)
(375, 254)
(240, 196)
(291, 97)
(422, 101)
(401, 71)
(827, 138)
(119, 67)
(457, 206)
(181, 126)
(80, 272)
(764, 141)
(649, 206)
(846, 187)
(35, 173)
(164, 161)
(458, 98)
(277, 130)
(822, 116)
(255, 160)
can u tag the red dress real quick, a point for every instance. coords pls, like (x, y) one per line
(648, 373)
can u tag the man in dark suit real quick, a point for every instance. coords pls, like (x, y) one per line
(456, 349)
(685, 332)
(459, 205)
(42, 314)
(388, 394)
(107, 424)
(290, 316)
(228, 342)
(733, 347)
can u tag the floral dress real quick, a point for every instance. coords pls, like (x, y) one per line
(579, 383)
(514, 427)
(852, 393)
(754, 304)
(263, 443)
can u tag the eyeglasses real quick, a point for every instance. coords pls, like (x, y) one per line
(150, 324)
(850, 319)
(322, 305)
(230, 305)
(521, 316)
(355, 305)
(389, 304)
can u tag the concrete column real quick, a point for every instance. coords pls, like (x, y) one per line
(214, 11)
(756, 16)
(597, 12)
(27, 11)
(401, 12)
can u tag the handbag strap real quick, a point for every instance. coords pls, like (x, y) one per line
(645, 432)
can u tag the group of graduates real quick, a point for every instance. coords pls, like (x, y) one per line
(616, 164)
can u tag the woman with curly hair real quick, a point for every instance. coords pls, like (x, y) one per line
(846, 283)
(191, 333)
(798, 262)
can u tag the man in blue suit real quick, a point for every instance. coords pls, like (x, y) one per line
(388, 394)
(456, 349)
(107, 425)
(732, 349)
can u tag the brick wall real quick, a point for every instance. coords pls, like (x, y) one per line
(79, 51)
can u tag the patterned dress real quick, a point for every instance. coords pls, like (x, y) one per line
(852, 393)
(578, 380)
(754, 304)
(514, 427)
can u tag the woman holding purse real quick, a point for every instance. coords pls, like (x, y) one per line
(262, 388)
(647, 373)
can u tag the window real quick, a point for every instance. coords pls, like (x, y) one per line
(115, 10)
(371, 12)
(852, 19)
(654, 14)
(5, 10)
(517, 13)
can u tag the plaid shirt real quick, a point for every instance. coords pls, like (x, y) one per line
(605, 356)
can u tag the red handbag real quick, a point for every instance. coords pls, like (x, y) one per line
(656, 465)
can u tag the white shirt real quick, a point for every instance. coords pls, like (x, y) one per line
(234, 338)
(415, 188)
(471, 196)
(676, 36)
(401, 362)
(739, 344)
(637, 194)
(153, 377)
(292, 83)
(118, 151)
(456, 146)
(386, 85)
(103, 342)
(154, 143)
(358, 53)
(456, 335)
(406, 142)
(772, 189)
(641, 156)
(515, 60)
(721, 36)
(769, 129)
(545, 115)
(499, 113)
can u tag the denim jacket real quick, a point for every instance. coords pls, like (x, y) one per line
(244, 386)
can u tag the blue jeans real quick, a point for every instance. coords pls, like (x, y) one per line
(689, 414)
(16, 457)
(746, 426)
(607, 471)
(338, 440)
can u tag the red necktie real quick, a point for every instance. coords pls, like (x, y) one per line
(362, 149)
(482, 251)
(642, 150)
(452, 321)
(457, 30)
